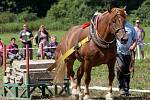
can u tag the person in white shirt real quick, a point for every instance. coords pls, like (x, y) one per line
(140, 42)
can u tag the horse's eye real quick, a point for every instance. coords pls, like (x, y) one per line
(113, 21)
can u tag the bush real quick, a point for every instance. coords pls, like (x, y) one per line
(70, 12)
(16, 27)
(26, 17)
(7, 17)
(142, 13)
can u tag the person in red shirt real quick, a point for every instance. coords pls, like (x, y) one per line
(1, 52)
(1, 45)
(13, 52)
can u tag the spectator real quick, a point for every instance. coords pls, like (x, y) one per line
(53, 44)
(140, 43)
(25, 37)
(124, 59)
(1, 52)
(13, 52)
(45, 44)
(41, 36)
(1, 45)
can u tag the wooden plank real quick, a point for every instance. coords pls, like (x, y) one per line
(33, 64)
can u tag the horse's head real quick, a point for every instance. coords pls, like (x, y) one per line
(117, 24)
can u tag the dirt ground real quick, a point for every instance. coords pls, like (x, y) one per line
(95, 95)
(100, 95)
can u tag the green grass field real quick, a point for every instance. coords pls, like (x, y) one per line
(141, 78)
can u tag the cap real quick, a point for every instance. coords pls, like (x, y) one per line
(42, 26)
(137, 21)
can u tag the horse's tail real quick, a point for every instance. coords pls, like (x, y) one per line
(61, 66)
(59, 71)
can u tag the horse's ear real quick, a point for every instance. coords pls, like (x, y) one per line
(124, 7)
(109, 10)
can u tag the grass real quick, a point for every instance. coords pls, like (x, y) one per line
(141, 79)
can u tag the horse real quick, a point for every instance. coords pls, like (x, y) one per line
(99, 48)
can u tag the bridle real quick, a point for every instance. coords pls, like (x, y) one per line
(118, 28)
(97, 38)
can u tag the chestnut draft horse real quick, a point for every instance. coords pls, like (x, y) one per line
(99, 49)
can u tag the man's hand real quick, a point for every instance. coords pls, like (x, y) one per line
(131, 48)
(23, 41)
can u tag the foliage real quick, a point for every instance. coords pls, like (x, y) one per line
(6, 17)
(35, 6)
(69, 12)
(62, 14)
(73, 12)
(143, 13)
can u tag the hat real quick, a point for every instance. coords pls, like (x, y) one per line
(137, 21)
(25, 25)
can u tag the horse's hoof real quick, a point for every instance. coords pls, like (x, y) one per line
(108, 96)
(75, 96)
(86, 97)
(80, 96)
(74, 92)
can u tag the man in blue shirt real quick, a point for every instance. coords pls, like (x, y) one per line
(124, 59)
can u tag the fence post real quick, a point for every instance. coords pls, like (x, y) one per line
(4, 58)
(27, 62)
(42, 51)
(27, 69)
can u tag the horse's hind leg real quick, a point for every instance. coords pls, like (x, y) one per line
(111, 78)
(70, 73)
(76, 91)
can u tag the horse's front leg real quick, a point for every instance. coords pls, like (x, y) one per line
(80, 73)
(111, 78)
(87, 70)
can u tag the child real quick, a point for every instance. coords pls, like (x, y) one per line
(53, 44)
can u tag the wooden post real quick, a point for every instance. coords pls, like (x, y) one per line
(4, 58)
(27, 69)
(42, 51)
(27, 62)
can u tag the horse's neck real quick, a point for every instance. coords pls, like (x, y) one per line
(103, 29)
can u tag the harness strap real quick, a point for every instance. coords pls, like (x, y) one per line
(77, 41)
(68, 53)
(85, 25)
